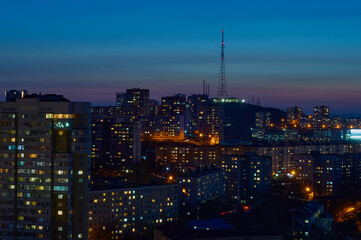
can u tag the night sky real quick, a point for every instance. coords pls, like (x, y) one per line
(287, 53)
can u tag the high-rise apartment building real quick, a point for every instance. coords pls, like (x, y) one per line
(263, 119)
(247, 177)
(210, 124)
(108, 111)
(115, 145)
(294, 114)
(154, 107)
(162, 128)
(44, 161)
(137, 102)
(195, 101)
(173, 105)
(120, 99)
(321, 112)
(182, 156)
(11, 95)
(235, 168)
(303, 167)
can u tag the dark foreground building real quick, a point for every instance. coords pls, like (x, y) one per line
(212, 229)
(44, 161)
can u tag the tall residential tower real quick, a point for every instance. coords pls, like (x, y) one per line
(44, 162)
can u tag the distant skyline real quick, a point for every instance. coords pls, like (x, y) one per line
(287, 53)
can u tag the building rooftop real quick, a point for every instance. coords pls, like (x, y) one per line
(309, 210)
(179, 231)
(199, 173)
(121, 185)
(48, 97)
(213, 224)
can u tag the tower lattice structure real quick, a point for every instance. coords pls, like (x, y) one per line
(222, 85)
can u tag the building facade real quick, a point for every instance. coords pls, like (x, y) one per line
(44, 166)
(114, 212)
(198, 187)
(115, 145)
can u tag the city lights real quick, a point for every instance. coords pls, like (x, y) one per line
(168, 137)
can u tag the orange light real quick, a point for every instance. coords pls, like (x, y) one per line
(350, 209)
(170, 177)
(293, 172)
(308, 189)
(246, 208)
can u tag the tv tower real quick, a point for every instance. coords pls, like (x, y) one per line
(222, 86)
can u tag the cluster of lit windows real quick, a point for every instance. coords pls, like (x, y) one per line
(131, 207)
(59, 116)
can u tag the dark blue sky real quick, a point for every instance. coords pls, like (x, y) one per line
(284, 52)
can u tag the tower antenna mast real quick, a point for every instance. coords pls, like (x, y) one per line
(222, 86)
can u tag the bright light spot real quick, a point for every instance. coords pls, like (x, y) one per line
(350, 209)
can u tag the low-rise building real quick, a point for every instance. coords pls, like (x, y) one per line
(304, 218)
